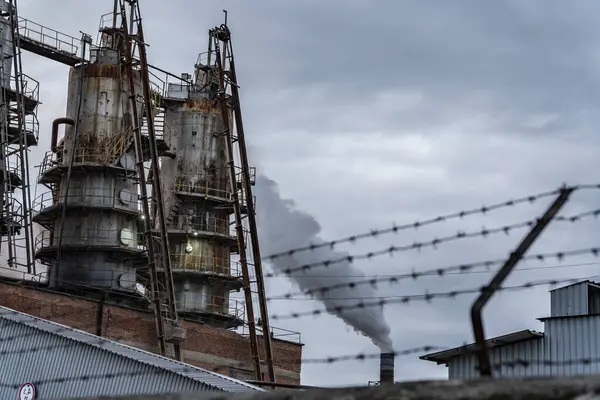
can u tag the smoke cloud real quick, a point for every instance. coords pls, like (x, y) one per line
(283, 228)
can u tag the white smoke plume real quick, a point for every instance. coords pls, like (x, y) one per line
(283, 228)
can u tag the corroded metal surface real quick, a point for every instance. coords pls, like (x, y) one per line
(102, 238)
(197, 187)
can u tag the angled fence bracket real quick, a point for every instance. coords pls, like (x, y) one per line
(485, 367)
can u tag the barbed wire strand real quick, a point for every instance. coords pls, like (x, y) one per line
(442, 218)
(459, 268)
(421, 297)
(484, 233)
(484, 271)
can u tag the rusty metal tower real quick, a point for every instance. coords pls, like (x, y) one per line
(228, 98)
(18, 131)
(101, 236)
(207, 187)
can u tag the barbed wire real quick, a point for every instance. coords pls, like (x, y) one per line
(460, 235)
(459, 268)
(484, 271)
(442, 218)
(421, 297)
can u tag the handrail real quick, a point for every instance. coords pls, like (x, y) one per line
(75, 198)
(106, 155)
(216, 305)
(196, 224)
(195, 262)
(48, 37)
(279, 333)
(115, 238)
(204, 185)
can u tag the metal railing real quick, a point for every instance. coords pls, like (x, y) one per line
(12, 165)
(48, 37)
(202, 186)
(110, 238)
(201, 224)
(16, 274)
(82, 156)
(120, 199)
(216, 305)
(49, 161)
(239, 175)
(30, 124)
(12, 211)
(277, 333)
(216, 265)
(30, 88)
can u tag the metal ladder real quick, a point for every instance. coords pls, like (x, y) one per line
(17, 213)
(156, 241)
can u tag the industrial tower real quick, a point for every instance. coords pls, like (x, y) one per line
(132, 217)
(244, 212)
(100, 232)
(18, 131)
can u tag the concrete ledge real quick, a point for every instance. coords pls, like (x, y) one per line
(576, 388)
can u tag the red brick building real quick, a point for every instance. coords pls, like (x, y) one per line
(219, 350)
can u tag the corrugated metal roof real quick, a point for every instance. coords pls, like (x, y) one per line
(588, 282)
(442, 357)
(218, 381)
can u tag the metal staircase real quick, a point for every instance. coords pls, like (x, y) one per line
(19, 131)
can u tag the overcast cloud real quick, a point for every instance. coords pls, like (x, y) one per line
(370, 112)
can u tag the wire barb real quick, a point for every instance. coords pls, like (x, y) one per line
(441, 272)
(421, 297)
(415, 225)
(460, 235)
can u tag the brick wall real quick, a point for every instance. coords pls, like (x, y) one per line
(217, 349)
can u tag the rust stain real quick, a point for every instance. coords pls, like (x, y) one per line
(101, 71)
(202, 105)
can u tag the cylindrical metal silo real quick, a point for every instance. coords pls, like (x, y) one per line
(198, 205)
(97, 237)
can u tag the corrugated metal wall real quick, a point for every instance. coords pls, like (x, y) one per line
(568, 301)
(465, 367)
(569, 339)
(30, 355)
(565, 339)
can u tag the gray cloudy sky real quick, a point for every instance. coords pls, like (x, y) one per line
(369, 112)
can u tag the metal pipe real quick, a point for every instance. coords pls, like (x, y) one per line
(260, 283)
(160, 207)
(160, 329)
(239, 227)
(485, 367)
(55, 124)
(70, 167)
(386, 368)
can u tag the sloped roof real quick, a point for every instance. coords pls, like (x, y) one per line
(588, 282)
(442, 357)
(218, 381)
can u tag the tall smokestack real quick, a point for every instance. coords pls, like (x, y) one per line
(386, 368)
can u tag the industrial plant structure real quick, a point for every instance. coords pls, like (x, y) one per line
(148, 215)
(568, 340)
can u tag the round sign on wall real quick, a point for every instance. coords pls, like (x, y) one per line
(27, 391)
